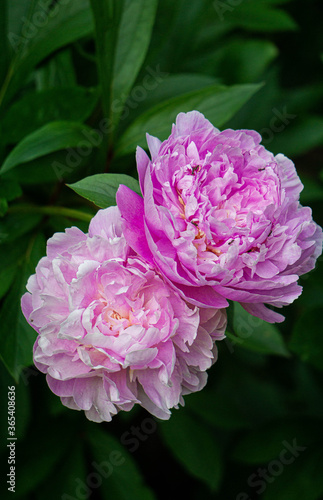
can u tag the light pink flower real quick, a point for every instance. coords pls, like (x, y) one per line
(220, 217)
(111, 332)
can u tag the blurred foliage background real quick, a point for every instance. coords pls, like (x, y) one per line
(81, 83)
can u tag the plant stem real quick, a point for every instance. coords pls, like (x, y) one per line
(52, 210)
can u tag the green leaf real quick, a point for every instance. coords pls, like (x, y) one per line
(313, 190)
(218, 103)
(10, 254)
(3, 207)
(3, 39)
(36, 109)
(132, 44)
(107, 15)
(300, 479)
(16, 336)
(101, 188)
(121, 477)
(165, 88)
(299, 136)
(306, 340)
(194, 446)
(9, 189)
(57, 72)
(243, 61)
(256, 17)
(123, 31)
(240, 398)
(49, 444)
(71, 472)
(57, 166)
(253, 449)
(255, 334)
(17, 224)
(63, 23)
(49, 138)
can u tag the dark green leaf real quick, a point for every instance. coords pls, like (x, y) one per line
(313, 190)
(299, 136)
(62, 24)
(260, 17)
(57, 72)
(3, 206)
(36, 109)
(255, 334)
(121, 478)
(240, 399)
(49, 138)
(107, 15)
(71, 473)
(218, 103)
(300, 479)
(17, 224)
(9, 189)
(48, 445)
(10, 255)
(132, 44)
(194, 446)
(165, 88)
(123, 31)
(58, 166)
(253, 449)
(306, 340)
(101, 188)
(243, 61)
(16, 336)
(3, 39)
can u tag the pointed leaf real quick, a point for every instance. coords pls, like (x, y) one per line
(63, 23)
(121, 479)
(36, 109)
(132, 44)
(123, 31)
(49, 138)
(16, 336)
(101, 188)
(255, 334)
(194, 446)
(306, 340)
(217, 102)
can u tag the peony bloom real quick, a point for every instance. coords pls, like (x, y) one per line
(111, 332)
(220, 217)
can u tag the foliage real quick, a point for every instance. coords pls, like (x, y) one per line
(81, 82)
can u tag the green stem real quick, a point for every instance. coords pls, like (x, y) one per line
(52, 210)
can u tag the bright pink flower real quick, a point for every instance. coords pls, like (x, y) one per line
(111, 332)
(220, 217)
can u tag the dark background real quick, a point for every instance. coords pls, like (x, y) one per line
(264, 394)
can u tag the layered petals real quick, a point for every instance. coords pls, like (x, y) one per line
(112, 332)
(222, 219)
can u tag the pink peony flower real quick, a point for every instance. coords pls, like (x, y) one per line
(220, 217)
(111, 332)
